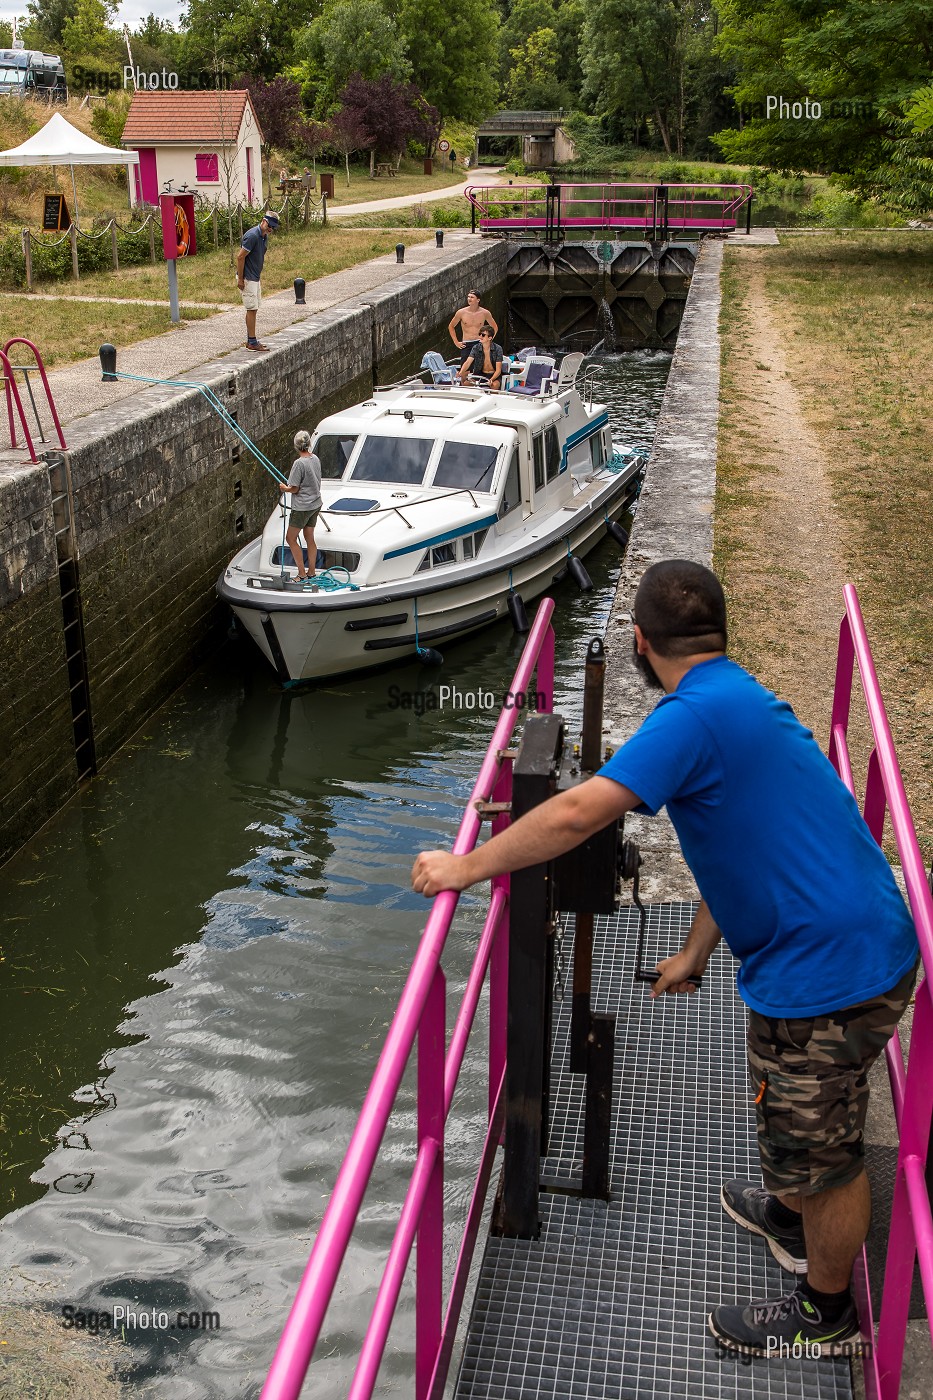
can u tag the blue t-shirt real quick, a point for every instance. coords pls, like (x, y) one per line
(803, 894)
(255, 245)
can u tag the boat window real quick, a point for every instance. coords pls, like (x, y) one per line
(338, 558)
(539, 462)
(393, 459)
(444, 554)
(478, 539)
(468, 547)
(512, 495)
(334, 452)
(596, 451)
(425, 563)
(466, 464)
(552, 452)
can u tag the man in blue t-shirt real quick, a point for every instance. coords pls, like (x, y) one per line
(249, 260)
(792, 880)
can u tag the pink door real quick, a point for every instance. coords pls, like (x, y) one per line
(249, 174)
(147, 177)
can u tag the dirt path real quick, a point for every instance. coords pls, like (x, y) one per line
(777, 545)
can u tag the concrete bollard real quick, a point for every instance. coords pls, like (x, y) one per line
(299, 291)
(108, 363)
(439, 237)
(400, 252)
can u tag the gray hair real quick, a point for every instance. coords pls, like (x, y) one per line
(302, 440)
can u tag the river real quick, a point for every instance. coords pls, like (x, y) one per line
(201, 956)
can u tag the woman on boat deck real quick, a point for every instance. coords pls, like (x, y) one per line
(486, 360)
(304, 485)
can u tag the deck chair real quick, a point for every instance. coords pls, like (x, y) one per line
(538, 371)
(440, 372)
(569, 368)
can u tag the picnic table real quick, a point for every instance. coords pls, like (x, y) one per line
(292, 184)
(386, 168)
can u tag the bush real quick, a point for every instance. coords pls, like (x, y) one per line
(835, 208)
(451, 218)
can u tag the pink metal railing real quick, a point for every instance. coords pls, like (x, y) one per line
(12, 393)
(599, 206)
(911, 1231)
(421, 1015)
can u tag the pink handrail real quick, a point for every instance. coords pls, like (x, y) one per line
(420, 1014)
(12, 396)
(40, 366)
(603, 204)
(910, 1237)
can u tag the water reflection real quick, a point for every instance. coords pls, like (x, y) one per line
(210, 941)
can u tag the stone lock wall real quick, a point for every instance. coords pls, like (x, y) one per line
(162, 495)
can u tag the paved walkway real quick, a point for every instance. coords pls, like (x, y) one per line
(485, 176)
(78, 388)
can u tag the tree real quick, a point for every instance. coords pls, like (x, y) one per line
(49, 17)
(154, 31)
(392, 113)
(454, 54)
(533, 83)
(637, 57)
(348, 36)
(87, 31)
(347, 133)
(860, 61)
(230, 36)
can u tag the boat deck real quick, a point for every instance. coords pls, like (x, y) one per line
(611, 1302)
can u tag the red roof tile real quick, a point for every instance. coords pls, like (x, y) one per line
(171, 118)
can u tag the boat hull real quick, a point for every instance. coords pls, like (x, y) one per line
(313, 638)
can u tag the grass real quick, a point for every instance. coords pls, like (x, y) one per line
(855, 310)
(439, 213)
(209, 276)
(40, 1360)
(72, 330)
(410, 180)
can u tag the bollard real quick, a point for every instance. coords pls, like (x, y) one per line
(400, 252)
(439, 237)
(299, 291)
(108, 363)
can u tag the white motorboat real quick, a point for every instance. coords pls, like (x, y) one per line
(440, 504)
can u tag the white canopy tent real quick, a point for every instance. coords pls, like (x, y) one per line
(60, 143)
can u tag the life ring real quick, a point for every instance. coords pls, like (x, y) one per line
(182, 231)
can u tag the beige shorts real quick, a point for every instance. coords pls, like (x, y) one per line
(252, 295)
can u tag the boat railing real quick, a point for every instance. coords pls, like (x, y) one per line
(421, 1018)
(910, 1238)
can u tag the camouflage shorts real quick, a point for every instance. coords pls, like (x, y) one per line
(810, 1079)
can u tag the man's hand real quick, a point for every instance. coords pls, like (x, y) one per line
(240, 283)
(675, 971)
(434, 871)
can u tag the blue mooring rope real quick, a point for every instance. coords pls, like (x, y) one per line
(218, 407)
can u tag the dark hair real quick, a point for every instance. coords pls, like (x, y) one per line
(681, 608)
(474, 293)
(486, 329)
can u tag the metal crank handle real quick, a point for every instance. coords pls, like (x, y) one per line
(643, 975)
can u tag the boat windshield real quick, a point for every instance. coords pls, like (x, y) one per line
(393, 459)
(334, 452)
(466, 464)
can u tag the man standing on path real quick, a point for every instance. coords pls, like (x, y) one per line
(792, 879)
(249, 261)
(471, 319)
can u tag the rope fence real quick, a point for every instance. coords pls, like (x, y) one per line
(38, 258)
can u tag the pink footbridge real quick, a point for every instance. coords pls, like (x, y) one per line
(649, 211)
(8, 373)
(421, 1017)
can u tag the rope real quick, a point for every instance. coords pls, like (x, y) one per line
(218, 408)
(331, 584)
(418, 647)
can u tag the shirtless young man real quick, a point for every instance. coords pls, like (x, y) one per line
(471, 319)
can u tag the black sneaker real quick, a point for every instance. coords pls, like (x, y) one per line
(747, 1204)
(787, 1327)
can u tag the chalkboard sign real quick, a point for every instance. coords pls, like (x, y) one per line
(56, 216)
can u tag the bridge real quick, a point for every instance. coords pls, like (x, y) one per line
(544, 139)
(652, 211)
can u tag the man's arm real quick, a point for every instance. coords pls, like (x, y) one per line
(492, 321)
(466, 367)
(240, 266)
(555, 826)
(691, 961)
(455, 321)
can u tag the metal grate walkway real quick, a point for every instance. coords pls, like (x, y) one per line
(611, 1302)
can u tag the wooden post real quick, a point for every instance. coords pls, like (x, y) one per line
(324, 207)
(27, 254)
(239, 214)
(214, 226)
(288, 205)
(113, 245)
(73, 240)
(152, 256)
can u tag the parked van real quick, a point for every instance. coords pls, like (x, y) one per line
(31, 73)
